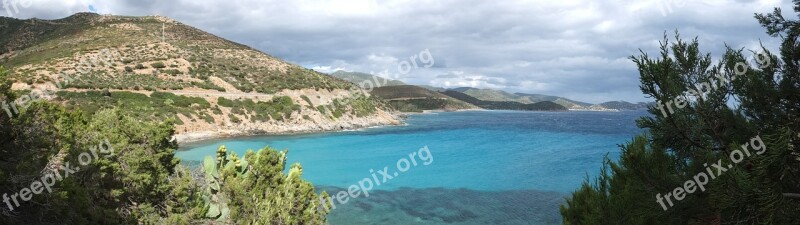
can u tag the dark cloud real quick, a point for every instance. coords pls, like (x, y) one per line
(577, 49)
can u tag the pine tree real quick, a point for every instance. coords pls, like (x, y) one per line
(707, 111)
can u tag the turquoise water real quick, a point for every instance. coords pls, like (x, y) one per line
(483, 167)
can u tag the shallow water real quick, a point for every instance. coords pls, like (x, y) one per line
(483, 167)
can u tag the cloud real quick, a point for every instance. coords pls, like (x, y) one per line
(576, 48)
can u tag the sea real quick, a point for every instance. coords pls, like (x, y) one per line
(469, 167)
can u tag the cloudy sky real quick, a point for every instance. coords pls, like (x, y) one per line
(572, 48)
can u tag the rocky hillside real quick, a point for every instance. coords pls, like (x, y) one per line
(157, 68)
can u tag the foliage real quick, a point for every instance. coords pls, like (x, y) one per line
(505, 105)
(280, 108)
(140, 182)
(158, 65)
(762, 189)
(156, 107)
(254, 189)
(418, 105)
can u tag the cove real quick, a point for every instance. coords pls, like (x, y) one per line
(489, 167)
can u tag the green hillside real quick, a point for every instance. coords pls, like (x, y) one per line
(135, 57)
(492, 95)
(38, 50)
(505, 105)
(502, 96)
(570, 104)
(410, 98)
(623, 105)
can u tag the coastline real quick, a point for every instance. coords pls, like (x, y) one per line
(381, 119)
(194, 137)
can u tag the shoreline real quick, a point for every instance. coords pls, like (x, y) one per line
(196, 137)
(399, 120)
(189, 138)
(287, 129)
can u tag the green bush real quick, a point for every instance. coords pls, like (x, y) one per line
(280, 108)
(158, 65)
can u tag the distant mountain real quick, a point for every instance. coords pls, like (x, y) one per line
(570, 104)
(358, 78)
(502, 96)
(410, 98)
(505, 105)
(623, 105)
(432, 88)
(493, 95)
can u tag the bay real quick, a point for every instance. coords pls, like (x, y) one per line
(485, 167)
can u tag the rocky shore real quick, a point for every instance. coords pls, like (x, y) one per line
(197, 132)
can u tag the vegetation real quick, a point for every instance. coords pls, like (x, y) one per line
(502, 96)
(505, 105)
(158, 65)
(622, 105)
(59, 45)
(419, 105)
(358, 106)
(136, 179)
(365, 80)
(156, 107)
(761, 189)
(410, 98)
(280, 108)
(139, 183)
(281, 199)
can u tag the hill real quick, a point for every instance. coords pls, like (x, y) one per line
(492, 95)
(502, 96)
(570, 104)
(358, 78)
(623, 105)
(505, 105)
(410, 98)
(219, 86)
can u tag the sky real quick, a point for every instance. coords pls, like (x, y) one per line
(577, 49)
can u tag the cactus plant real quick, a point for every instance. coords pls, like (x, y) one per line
(216, 205)
(257, 189)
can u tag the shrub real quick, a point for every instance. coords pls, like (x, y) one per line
(158, 65)
(234, 119)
